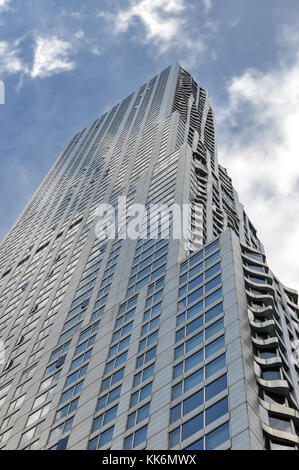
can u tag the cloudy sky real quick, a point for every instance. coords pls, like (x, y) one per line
(65, 62)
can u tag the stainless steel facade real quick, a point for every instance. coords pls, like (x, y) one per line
(159, 343)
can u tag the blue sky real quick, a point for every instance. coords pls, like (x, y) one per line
(65, 62)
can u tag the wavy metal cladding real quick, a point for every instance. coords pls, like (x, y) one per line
(273, 317)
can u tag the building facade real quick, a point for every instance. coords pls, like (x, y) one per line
(157, 342)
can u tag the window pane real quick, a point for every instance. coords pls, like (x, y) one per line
(215, 328)
(216, 411)
(174, 437)
(128, 442)
(145, 391)
(131, 420)
(195, 295)
(193, 380)
(213, 297)
(198, 445)
(213, 283)
(215, 346)
(217, 437)
(210, 272)
(271, 375)
(176, 390)
(106, 436)
(143, 413)
(178, 370)
(195, 310)
(194, 342)
(194, 360)
(175, 413)
(140, 436)
(193, 402)
(216, 387)
(214, 312)
(282, 424)
(191, 427)
(193, 326)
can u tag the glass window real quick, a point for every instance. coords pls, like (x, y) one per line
(214, 329)
(141, 394)
(216, 387)
(135, 439)
(195, 295)
(69, 408)
(216, 411)
(196, 258)
(106, 436)
(213, 283)
(109, 398)
(138, 415)
(267, 353)
(217, 437)
(143, 375)
(71, 392)
(175, 413)
(174, 437)
(191, 427)
(212, 259)
(213, 312)
(194, 325)
(194, 310)
(178, 370)
(194, 342)
(213, 270)
(215, 346)
(213, 297)
(193, 402)
(195, 282)
(198, 445)
(215, 365)
(212, 247)
(271, 374)
(104, 418)
(113, 379)
(193, 380)
(197, 269)
(280, 423)
(194, 360)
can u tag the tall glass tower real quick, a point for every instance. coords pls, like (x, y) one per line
(147, 342)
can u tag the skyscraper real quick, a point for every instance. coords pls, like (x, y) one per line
(147, 342)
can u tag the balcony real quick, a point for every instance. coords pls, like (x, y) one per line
(267, 326)
(280, 435)
(280, 410)
(276, 386)
(270, 361)
(265, 343)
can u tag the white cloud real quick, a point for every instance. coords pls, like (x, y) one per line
(164, 23)
(80, 34)
(9, 59)
(259, 146)
(4, 5)
(51, 56)
(95, 50)
(207, 5)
